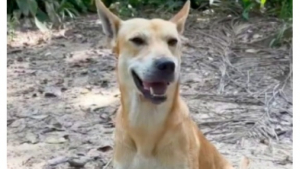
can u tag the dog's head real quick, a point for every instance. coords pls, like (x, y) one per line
(148, 52)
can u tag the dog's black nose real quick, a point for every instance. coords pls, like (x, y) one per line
(165, 65)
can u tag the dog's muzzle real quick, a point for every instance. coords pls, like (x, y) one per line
(154, 84)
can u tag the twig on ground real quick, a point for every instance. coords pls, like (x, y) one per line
(107, 164)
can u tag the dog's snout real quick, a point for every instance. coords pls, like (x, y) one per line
(165, 65)
(161, 69)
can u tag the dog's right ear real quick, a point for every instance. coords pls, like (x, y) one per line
(110, 22)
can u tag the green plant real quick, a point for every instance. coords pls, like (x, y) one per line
(49, 11)
(54, 12)
(278, 8)
(281, 8)
(247, 5)
(169, 5)
(284, 34)
(12, 21)
(124, 9)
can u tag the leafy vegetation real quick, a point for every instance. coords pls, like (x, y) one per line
(48, 11)
(53, 12)
(280, 8)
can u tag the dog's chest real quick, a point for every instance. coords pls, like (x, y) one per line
(140, 162)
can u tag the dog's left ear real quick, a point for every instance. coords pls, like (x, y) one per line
(110, 22)
(180, 18)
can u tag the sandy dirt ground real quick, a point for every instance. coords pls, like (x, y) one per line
(62, 93)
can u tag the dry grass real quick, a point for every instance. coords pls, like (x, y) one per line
(247, 73)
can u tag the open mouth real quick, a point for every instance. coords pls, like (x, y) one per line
(155, 91)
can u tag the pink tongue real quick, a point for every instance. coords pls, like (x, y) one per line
(158, 88)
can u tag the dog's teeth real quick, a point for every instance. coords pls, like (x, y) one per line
(151, 91)
(153, 94)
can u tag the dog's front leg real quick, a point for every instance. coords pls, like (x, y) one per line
(123, 155)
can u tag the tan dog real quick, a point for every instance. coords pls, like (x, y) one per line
(153, 126)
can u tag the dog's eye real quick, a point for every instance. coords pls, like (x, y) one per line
(172, 42)
(138, 41)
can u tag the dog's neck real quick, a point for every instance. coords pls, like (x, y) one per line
(143, 114)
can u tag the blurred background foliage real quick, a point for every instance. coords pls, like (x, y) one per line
(46, 13)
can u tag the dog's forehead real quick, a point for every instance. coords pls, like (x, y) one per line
(153, 27)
